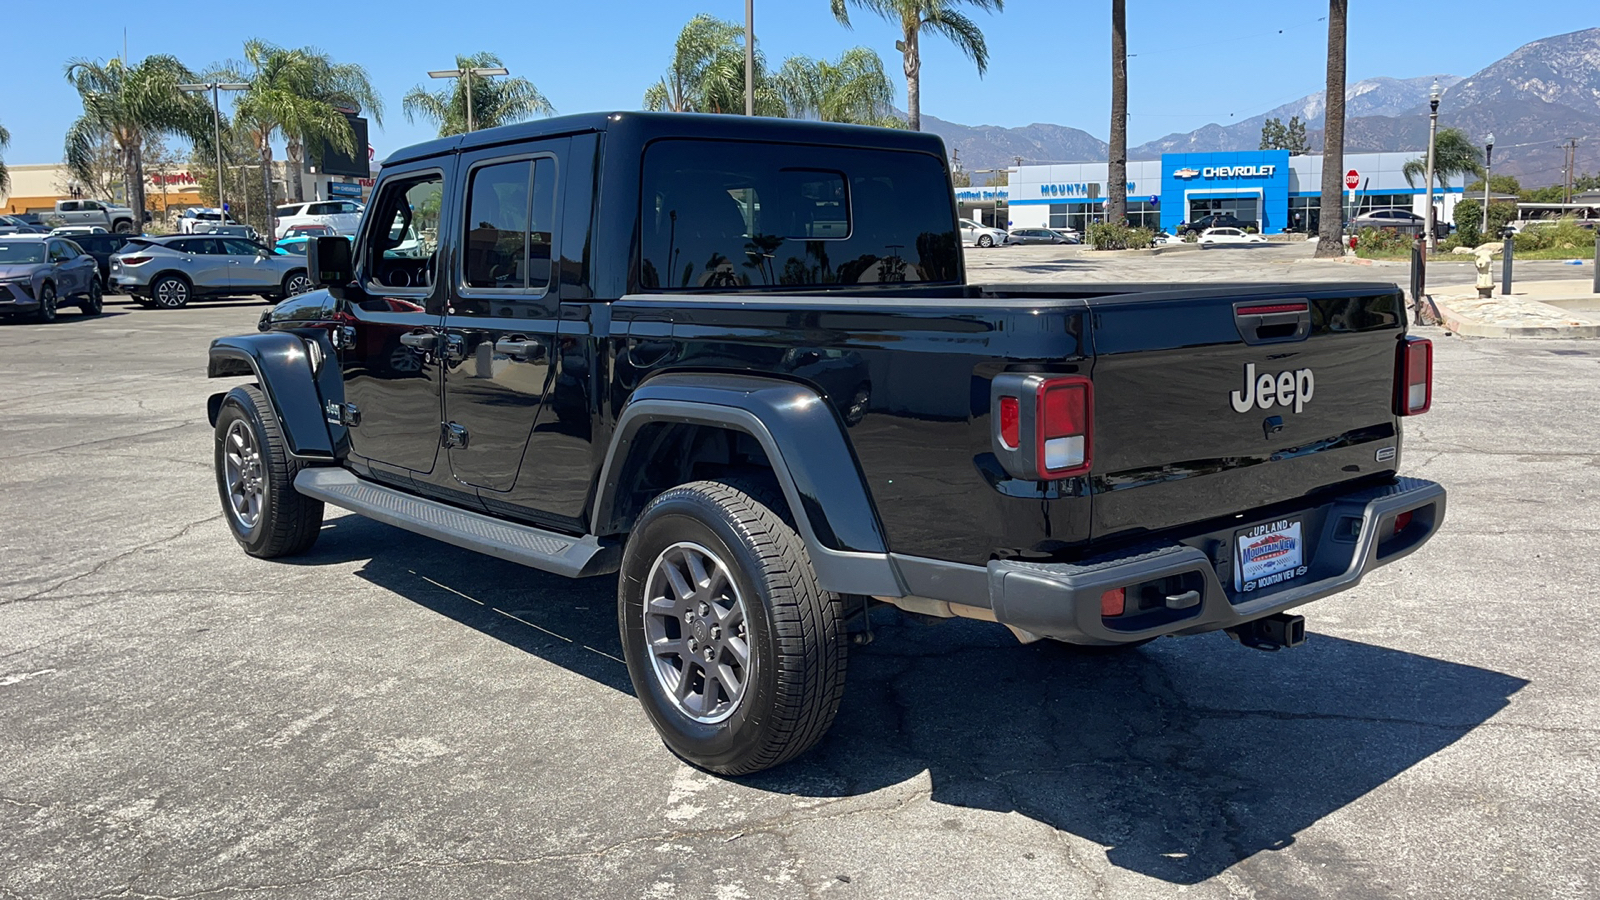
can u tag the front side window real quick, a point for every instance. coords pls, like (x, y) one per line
(58, 252)
(404, 237)
(239, 247)
(737, 215)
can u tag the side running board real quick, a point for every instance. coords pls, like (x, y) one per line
(524, 544)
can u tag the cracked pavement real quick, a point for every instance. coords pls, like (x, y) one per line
(391, 716)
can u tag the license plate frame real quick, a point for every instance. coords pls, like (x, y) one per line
(1269, 554)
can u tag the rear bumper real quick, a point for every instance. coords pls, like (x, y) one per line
(1344, 539)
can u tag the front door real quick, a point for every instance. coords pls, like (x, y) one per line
(501, 325)
(390, 348)
(206, 264)
(248, 269)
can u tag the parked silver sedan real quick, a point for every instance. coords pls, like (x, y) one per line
(168, 272)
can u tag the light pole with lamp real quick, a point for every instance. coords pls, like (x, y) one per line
(1488, 166)
(216, 87)
(749, 57)
(1433, 131)
(467, 73)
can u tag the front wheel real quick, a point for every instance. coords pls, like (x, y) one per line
(985, 241)
(255, 479)
(47, 304)
(736, 653)
(297, 282)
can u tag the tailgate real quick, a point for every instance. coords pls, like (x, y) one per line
(1182, 436)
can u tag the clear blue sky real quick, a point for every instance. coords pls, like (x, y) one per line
(1049, 58)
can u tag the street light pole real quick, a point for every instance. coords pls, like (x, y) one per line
(1433, 131)
(749, 57)
(466, 74)
(216, 87)
(1488, 166)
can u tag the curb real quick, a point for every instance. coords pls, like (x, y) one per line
(1456, 322)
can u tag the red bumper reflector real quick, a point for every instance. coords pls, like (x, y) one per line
(1112, 602)
(1010, 422)
(1401, 521)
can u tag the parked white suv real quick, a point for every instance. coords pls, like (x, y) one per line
(343, 216)
(981, 235)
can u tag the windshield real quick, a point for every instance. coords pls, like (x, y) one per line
(31, 252)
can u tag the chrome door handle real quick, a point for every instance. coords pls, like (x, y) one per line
(420, 340)
(454, 348)
(520, 349)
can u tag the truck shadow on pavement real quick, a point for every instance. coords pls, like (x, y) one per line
(1182, 758)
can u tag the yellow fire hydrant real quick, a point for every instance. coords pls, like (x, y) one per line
(1483, 259)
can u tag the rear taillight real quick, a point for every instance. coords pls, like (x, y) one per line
(1413, 377)
(134, 260)
(1044, 425)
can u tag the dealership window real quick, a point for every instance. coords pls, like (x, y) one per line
(1366, 203)
(1079, 216)
(1246, 209)
(1305, 214)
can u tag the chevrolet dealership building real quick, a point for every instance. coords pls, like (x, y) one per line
(1278, 191)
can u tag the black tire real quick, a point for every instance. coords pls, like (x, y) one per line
(95, 302)
(286, 522)
(170, 292)
(123, 226)
(985, 241)
(794, 630)
(295, 283)
(46, 312)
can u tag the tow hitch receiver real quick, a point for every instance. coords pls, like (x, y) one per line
(1274, 632)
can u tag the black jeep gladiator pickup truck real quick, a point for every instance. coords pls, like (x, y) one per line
(737, 361)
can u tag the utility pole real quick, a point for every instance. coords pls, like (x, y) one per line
(1433, 133)
(749, 57)
(1572, 160)
(1488, 167)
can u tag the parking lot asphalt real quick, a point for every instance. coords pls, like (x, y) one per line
(390, 716)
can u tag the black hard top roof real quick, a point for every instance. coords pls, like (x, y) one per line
(645, 126)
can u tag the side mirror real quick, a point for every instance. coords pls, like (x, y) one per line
(328, 261)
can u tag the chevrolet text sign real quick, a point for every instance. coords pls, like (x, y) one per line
(1238, 171)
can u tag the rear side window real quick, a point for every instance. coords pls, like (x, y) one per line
(510, 214)
(739, 215)
(287, 211)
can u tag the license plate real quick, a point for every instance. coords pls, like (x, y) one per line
(1269, 554)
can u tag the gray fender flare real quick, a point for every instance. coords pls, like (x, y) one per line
(281, 364)
(810, 455)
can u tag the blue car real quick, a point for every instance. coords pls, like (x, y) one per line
(296, 246)
(38, 272)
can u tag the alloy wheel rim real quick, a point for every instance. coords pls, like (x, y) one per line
(299, 285)
(696, 633)
(47, 301)
(244, 475)
(171, 293)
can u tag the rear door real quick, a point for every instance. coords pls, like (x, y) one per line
(500, 328)
(1212, 401)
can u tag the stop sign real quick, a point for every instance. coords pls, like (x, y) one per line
(1351, 179)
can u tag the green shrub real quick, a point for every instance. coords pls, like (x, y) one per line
(1382, 242)
(1107, 236)
(1562, 235)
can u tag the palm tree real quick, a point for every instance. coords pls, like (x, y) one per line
(5, 174)
(938, 16)
(297, 94)
(495, 101)
(1453, 154)
(128, 104)
(851, 89)
(707, 73)
(1117, 171)
(1330, 227)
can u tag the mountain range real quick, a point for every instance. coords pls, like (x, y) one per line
(1534, 100)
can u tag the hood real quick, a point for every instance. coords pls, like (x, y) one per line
(9, 271)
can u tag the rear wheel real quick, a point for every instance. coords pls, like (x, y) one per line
(47, 304)
(170, 292)
(736, 653)
(94, 302)
(255, 479)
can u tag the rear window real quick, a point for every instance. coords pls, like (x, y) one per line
(739, 215)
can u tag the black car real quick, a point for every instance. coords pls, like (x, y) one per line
(101, 246)
(20, 225)
(738, 362)
(1217, 220)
